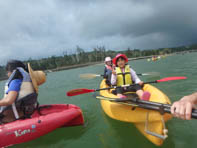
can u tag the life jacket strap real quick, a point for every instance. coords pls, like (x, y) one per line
(15, 111)
(26, 105)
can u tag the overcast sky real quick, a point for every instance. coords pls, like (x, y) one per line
(41, 28)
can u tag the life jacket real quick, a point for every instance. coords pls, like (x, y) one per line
(108, 67)
(26, 100)
(123, 78)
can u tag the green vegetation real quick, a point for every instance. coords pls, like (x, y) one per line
(2, 72)
(98, 54)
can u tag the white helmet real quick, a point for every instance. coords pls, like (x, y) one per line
(108, 59)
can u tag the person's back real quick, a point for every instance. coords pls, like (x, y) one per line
(20, 97)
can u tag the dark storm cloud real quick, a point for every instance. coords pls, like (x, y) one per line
(170, 20)
(31, 28)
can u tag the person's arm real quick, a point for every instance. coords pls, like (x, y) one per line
(9, 99)
(113, 76)
(134, 76)
(183, 108)
(14, 88)
(113, 79)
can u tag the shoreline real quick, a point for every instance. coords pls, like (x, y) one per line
(89, 64)
(100, 62)
(85, 65)
(3, 78)
(71, 67)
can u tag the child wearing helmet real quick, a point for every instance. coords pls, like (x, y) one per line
(108, 70)
(124, 75)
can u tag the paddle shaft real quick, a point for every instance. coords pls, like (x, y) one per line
(156, 81)
(162, 108)
(75, 92)
(150, 82)
(123, 86)
(139, 74)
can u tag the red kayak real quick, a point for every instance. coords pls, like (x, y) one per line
(47, 119)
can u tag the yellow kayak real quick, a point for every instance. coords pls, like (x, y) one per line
(150, 123)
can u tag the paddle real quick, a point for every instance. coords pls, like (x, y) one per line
(79, 91)
(149, 74)
(91, 75)
(162, 108)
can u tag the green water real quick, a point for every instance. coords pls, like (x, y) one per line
(99, 130)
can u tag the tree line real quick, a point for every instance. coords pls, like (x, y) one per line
(96, 55)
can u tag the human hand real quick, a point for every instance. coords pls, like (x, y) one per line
(141, 83)
(113, 69)
(183, 108)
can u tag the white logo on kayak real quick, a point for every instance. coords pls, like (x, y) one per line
(23, 132)
(20, 132)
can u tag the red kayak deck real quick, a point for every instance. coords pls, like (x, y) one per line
(51, 117)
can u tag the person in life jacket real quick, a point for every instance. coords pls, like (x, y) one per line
(21, 91)
(124, 75)
(108, 70)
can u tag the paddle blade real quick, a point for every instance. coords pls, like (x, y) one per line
(151, 74)
(88, 76)
(171, 79)
(79, 91)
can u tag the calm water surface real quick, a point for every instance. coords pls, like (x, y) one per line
(99, 130)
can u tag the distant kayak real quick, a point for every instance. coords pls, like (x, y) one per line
(47, 119)
(138, 116)
(154, 59)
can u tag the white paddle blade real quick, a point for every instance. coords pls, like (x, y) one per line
(151, 74)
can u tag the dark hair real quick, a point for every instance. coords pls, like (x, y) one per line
(13, 64)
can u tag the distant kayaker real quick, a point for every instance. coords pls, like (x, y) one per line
(108, 70)
(183, 108)
(21, 89)
(124, 75)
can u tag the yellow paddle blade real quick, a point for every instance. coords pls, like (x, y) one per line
(88, 76)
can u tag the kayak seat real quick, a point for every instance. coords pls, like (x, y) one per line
(39, 108)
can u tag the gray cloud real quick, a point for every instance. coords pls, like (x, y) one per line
(43, 28)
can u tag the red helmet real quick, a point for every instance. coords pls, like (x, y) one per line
(120, 55)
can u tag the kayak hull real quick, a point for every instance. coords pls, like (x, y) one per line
(138, 115)
(50, 118)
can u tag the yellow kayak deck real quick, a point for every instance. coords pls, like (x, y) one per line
(138, 116)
